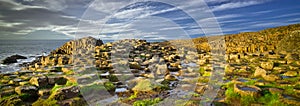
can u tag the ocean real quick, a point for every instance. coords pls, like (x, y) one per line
(28, 48)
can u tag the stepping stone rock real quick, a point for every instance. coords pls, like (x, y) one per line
(259, 72)
(66, 93)
(267, 65)
(291, 74)
(247, 90)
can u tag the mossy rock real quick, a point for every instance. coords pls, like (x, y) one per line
(147, 102)
(13, 100)
(145, 85)
(45, 102)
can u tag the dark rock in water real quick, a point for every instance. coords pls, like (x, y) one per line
(13, 59)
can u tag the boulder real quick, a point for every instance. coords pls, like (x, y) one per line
(259, 72)
(13, 59)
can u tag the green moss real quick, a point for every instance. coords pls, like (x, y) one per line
(251, 82)
(56, 87)
(297, 86)
(160, 88)
(231, 95)
(201, 70)
(69, 83)
(207, 74)
(113, 78)
(47, 102)
(70, 72)
(12, 100)
(293, 80)
(147, 102)
(109, 86)
(6, 78)
(270, 99)
(133, 96)
(203, 79)
(247, 100)
(288, 90)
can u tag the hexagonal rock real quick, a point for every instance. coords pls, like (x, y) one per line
(247, 90)
(26, 89)
(66, 93)
(271, 77)
(267, 65)
(259, 72)
(291, 73)
(39, 81)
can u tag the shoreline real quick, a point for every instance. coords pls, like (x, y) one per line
(139, 72)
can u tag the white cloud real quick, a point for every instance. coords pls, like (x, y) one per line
(232, 5)
(11, 24)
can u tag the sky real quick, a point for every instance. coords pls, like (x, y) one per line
(150, 20)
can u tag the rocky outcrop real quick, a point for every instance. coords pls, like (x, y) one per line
(71, 46)
(13, 59)
(137, 70)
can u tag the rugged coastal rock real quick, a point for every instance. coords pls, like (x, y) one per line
(258, 71)
(13, 59)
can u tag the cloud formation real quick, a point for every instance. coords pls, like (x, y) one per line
(19, 18)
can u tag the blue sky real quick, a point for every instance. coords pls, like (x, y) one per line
(158, 19)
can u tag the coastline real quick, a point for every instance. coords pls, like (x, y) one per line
(254, 68)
